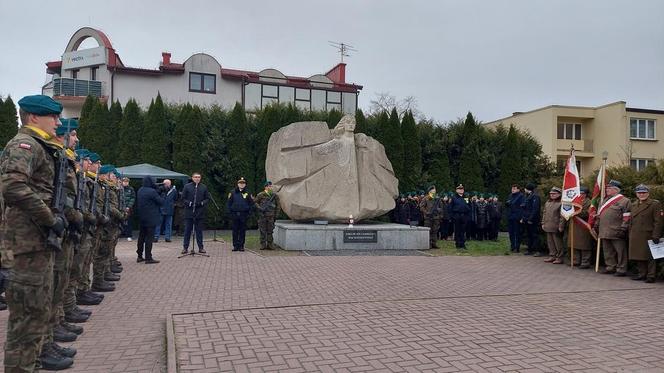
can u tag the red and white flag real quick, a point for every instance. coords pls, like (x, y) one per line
(572, 203)
(595, 202)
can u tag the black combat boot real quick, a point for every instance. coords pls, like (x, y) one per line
(63, 351)
(84, 299)
(60, 334)
(49, 359)
(116, 269)
(75, 317)
(94, 295)
(72, 328)
(82, 311)
(103, 287)
(109, 276)
(3, 306)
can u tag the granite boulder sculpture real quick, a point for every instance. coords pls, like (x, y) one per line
(323, 174)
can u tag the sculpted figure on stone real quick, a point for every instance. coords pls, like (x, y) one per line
(323, 174)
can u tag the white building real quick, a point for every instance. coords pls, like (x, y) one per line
(199, 80)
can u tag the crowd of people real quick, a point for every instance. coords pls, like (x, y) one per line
(623, 227)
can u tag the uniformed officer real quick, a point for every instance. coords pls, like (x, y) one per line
(239, 205)
(27, 167)
(583, 240)
(267, 203)
(645, 224)
(460, 211)
(432, 210)
(515, 203)
(612, 222)
(553, 225)
(104, 234)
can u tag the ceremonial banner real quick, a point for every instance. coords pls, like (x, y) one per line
(600, 183)
(572, 203)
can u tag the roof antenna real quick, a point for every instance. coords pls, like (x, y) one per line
(343, 49)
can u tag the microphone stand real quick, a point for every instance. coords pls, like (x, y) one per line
(216, 206)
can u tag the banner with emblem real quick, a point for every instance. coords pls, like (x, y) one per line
(572, 203)
(595, 202)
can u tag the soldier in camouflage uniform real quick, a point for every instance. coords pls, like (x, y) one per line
(64, 258)
(432, 208)
(27, 168)
(93, 218)
(267, 203)
(108, 233)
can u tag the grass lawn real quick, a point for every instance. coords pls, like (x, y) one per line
(474, 248)
(252, 243)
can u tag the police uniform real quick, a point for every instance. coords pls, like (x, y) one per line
(239, 205)
(460, 211)
(645, 224)
(27, 167)
(531, 218)
(613, 222)
(267, 203)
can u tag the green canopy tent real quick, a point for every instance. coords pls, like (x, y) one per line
(139, 171)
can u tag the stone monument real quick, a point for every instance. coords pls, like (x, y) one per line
(323, 174)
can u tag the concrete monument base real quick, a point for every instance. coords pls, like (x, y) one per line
(290, 235)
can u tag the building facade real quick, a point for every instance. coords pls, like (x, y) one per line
(200, 80)
(628, 135)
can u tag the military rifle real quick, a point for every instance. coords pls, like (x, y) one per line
(93, 200)
(59, 194)
(78, 202)
(435, 210)
(107, 201)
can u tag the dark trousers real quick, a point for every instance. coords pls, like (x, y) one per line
(459, 232)
(145, 237)
(239, 229)
(197, 225)
(514, 228)
(495, 225)
(126, 228)
(532, 230)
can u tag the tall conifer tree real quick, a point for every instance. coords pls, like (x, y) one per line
(8, 120)
(130, 135)
(510, 164)
(393, 143)
(412, 153)
(156, 150)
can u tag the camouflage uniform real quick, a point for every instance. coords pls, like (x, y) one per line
(431, 208)
(92, 241)
(267, 203)
(64, 258)
(28, 171)
(107, 237)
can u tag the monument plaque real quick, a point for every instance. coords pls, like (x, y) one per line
(360, 236)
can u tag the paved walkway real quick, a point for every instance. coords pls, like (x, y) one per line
(245, 312)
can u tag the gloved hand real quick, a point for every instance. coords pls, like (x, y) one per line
(59, 227)
(76, 221)
(104, 220)
(655, 240)
(91, 219)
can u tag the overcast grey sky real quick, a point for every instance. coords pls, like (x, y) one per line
(489, 57)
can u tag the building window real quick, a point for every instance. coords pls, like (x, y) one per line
(640, 164)
(74, 74)
(333, 100)
(642, 129)
(303, 99)
(93, 73)
(202, 83)
(569, 131)
(270, 94)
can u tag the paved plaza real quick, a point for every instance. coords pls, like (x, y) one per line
(246, 312)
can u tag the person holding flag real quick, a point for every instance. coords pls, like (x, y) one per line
(582, 237)
(572, 201)
(612, 224)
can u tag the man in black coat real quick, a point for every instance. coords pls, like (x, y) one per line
(195, 198)
(515, 203)
(531, 219)
(239, 205)
(460, 211)
(147, 205)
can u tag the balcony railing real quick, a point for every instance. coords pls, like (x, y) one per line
(586, 145)
(76, 87)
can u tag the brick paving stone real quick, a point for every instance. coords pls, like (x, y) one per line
(244, 312)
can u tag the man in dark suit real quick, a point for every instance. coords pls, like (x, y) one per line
(170, 195)
(460, 211)
(195, 198)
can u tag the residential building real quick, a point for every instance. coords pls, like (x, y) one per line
(628, 135)
(200, 79)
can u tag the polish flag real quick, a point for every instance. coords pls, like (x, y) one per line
(595, 202)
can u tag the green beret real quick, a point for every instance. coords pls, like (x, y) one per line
(267, 182)
(105, 169)
(94, 157)
(82, 153)
(117, 173)
(40, 105)
(67, 125)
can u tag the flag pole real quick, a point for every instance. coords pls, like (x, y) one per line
(601, 201)
(571, 228)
